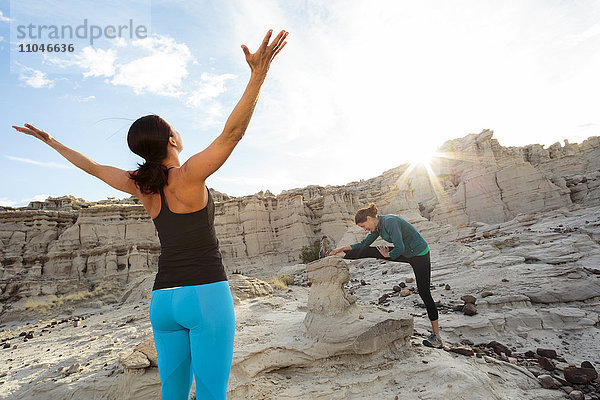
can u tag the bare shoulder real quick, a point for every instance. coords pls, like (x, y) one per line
(182, 194)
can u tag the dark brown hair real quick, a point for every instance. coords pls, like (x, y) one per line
(148, 137)
(363, 213)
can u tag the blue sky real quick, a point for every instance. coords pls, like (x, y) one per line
(361, 86)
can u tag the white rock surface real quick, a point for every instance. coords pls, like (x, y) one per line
(521, 223)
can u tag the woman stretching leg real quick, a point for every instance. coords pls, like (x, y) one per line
(409, 246)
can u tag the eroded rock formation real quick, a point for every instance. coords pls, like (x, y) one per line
(48, 247)
(333, 325)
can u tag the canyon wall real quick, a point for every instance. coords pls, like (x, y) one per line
(50, 247)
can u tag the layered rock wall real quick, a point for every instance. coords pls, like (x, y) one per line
(48, 246)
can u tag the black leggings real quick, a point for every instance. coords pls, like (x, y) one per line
(421, 266)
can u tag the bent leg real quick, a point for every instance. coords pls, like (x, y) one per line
(172, 348)
(207, 310)
(421, 266)
(365, 252)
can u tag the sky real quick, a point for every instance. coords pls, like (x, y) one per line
(361, 86)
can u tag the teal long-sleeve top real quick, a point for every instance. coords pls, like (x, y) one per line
(407, 241)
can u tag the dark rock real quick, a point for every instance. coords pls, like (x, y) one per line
(478, 351)
(587, 364)
(383, 272)
(504, 280)
(499, 348)
(468, 299)
(466, 342)
(548, 353)
(486, 294)
(469, 309)
(362, 282)
(465, 351)
(592, 270)
(402, 285)
(529, 354)
(397, 288)
(383, 298)
(580, 376)
(447, 287)
(546, 364)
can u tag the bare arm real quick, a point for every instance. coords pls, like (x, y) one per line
(113, 176)
(203, 164)
(77, 159)
(339, 250)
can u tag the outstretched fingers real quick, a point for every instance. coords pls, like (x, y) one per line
(33, 128)
(23, 129)
(277, 42)
(246, 51)
(278, 50)
(265, 42)
(33, 131)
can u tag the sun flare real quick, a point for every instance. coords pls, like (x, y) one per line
(420, 156)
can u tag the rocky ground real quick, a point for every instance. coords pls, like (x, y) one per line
(533, 280)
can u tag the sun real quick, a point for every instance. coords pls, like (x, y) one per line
(420, 156)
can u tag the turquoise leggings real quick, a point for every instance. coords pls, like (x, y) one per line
(193, 329)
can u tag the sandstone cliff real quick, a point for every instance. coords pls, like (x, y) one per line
(48, 247)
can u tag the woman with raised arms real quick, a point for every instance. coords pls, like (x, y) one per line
(191, 308)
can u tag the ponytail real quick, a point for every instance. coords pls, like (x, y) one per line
(148, 137)
(363, 213)
(150, 177)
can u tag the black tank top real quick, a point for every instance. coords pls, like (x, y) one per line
(189, 248)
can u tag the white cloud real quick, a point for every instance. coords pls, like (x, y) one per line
(207, 88)
(161, 72)
(577, 38)
(80, 99)
(6, 202)
(3, 18)
(203, 96)
(97, 62)
(120, 42)
(40, 197)
(49, 164)
(1, 38)
(34, 78)
(94, 62)
(157, 65)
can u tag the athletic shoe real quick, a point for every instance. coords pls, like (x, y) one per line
(433, 341)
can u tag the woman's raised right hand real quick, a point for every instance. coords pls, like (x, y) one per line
(260, 61)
